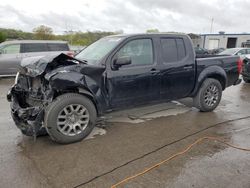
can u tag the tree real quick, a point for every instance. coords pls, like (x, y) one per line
(2, 37)
(43, 32)
(152, 31)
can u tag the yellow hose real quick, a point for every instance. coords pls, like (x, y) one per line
(176, 155)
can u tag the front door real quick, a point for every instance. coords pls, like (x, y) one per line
(136, 83)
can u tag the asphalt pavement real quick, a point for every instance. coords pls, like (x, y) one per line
(131, 141)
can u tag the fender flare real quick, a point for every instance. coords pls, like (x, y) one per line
(83, 84)
(215, 72)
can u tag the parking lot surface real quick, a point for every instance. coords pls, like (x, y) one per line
(133, 140)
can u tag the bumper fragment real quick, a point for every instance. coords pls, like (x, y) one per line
(29, 120)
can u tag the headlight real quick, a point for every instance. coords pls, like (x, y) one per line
(17, 76)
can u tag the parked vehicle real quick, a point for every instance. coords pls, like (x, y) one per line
(67, 95)
(246, 69)
(217, 50)
(242, 52)
(76, 49)
(201, 51)
(12, 52)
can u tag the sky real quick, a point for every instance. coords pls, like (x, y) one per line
(131, 16)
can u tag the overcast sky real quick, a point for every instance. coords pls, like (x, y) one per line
(131, 16)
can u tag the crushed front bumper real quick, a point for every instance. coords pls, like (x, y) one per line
(29, 119)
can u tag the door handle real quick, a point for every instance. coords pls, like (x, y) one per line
(188, 67)
(153, 71)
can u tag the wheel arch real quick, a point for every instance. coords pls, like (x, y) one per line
(214, 72)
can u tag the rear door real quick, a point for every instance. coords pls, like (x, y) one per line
(177, 67)
(138, 82)
(10, 58)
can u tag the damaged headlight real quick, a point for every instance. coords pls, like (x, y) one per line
(17, 76)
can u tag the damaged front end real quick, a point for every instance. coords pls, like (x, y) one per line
(29, 96)
(39, 81)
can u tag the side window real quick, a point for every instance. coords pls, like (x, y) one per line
(58, 47)
(34, 47)
(248, 51)
(10, 49)
(169, 50)
(173, 49)
(241, 52)
(140, 51)
(181, 49)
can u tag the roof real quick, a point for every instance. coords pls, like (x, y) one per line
(217, 34)
(32, 41)
(147, 34)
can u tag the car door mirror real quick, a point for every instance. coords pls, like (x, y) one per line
(121, 61)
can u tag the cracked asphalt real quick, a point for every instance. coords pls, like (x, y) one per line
(131, 141)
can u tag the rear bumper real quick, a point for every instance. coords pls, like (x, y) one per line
(28, 120)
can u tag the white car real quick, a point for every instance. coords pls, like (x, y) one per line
(242, 52)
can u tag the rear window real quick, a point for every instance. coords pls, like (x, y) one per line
(34, 47)
(173, 49)
(58, 47)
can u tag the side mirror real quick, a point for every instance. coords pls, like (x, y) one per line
(120, 61)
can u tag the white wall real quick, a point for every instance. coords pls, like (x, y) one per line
(223, 40)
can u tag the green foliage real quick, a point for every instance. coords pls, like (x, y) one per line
(43, 32)
(83, 38)
(152, 31)
(12, 34)
(46, 33)
(2, 36)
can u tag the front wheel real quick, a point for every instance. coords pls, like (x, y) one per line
(70, 118)
(208, 96)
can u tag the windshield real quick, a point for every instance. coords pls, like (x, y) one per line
(231, 51)
(96, 51)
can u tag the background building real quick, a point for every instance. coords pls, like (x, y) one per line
(222, 40)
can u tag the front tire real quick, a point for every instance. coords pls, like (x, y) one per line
(208, 96)
(70, 118)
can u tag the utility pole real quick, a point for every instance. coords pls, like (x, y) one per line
(211, 28)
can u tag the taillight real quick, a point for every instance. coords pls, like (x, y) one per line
(70, 53)
(240, 63)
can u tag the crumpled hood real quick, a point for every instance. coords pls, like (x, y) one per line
(35, 66)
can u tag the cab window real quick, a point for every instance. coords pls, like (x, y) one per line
(140, 51)
(10, 49)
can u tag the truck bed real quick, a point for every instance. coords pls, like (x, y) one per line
(228, 63)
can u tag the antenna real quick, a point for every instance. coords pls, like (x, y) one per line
(211, 28)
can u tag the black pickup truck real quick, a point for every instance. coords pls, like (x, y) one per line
(65, 96)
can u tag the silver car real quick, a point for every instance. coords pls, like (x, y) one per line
(12, 52)
(242, 52)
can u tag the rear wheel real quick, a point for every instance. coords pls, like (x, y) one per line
(70, 118)
(209, 95)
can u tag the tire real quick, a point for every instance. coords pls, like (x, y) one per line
(77, 111)
(246, 80)
(208, 96)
